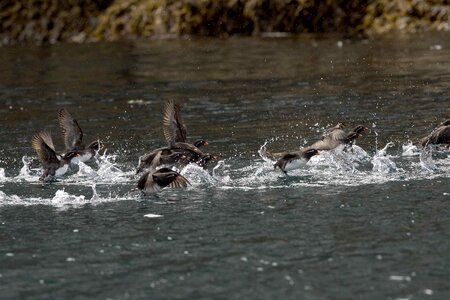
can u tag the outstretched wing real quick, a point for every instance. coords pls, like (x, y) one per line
(173, 127)
(70, 130)
(42, 143)
(167, 177)
(179, 182)
(181, 128)
(439, 136)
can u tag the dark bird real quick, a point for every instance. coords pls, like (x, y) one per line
(175, 130)
(53, 165)
(158, 157)
(440, 135)
(175, 135)
(206, 159)
(154, 181)
(73, 137)
(356, 133)
(295, 160)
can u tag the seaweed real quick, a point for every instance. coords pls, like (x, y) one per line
(26, 21)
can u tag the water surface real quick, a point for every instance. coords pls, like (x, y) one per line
(368, 224)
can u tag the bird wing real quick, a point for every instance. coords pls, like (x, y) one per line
(179, 182)
(439, 136)
(181, 128)
(173, 127)
(42, 143)
(70, 130)
(142, 181)
(167, 177)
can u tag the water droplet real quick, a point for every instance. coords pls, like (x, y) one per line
(428, 292)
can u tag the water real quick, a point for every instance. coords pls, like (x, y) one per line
(371, 223)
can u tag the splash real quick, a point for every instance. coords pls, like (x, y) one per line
(197, 175)
(339, 167)
(25, 173)
(63, 199)
(410, 150)
(2, 175)
(426, 160)
(382, 162)
(9, 199)
(107, 171)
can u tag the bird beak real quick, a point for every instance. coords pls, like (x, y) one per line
(206, 144)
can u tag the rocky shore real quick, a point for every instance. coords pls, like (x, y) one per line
(50, 21)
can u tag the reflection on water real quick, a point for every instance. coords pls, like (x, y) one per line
(372, 219)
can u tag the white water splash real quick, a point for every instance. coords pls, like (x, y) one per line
(263, 153)
(352, 167)
(197, 175)
(382, 162)
(108, 172)
(2, 175)
(62, 199)
(152, 216)
(9, 199)
(25, 173)
(410, 150)
(426, 160)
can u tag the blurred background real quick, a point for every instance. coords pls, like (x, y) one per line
(49, 21)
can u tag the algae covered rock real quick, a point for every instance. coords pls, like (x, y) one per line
(407, 16)
(48, 21)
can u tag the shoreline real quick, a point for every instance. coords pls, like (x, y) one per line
(24, 22)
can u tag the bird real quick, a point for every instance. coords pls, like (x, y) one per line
(330, 139)
(73, 136)
(53, 164)
(175, 130)
(175, 135)
(336, 136)
(440, 135)
(205, 159)
(158, 157)
(152, 182)
(353, 135)
(294, 160)
(328, 131)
